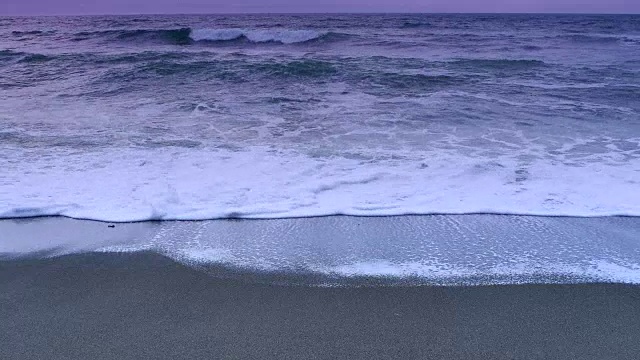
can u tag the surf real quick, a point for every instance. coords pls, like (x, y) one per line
(189, 36)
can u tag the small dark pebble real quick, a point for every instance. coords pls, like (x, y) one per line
(112, 226)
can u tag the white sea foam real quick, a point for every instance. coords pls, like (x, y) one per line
(505, 273)
(259, 182)
(258, 36)
(216, 34)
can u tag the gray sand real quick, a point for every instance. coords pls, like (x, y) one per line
(116, 306)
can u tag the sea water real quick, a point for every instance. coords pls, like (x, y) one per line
(137, 118)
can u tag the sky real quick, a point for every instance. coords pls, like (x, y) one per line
(70, 7)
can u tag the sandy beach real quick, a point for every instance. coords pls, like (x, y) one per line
(320, 180)
(143, 305)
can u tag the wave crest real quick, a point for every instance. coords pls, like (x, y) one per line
(186, 36)
(260, 36)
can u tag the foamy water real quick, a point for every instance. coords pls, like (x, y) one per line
(127, 119)
(258, 36)
(130, 120)
(262, 182)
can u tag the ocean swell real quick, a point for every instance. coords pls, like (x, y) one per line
(168, 36)
(187, 36)
(261, 36)
(498, 64)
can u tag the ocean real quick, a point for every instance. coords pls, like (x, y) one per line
(530, 122)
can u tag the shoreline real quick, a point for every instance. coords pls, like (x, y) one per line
(436, 249)
(233, 216)
(317, 279)
(144, 305)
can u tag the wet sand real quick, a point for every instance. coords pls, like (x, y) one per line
(143, 305)
(476, 249)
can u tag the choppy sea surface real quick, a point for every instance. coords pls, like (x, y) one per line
(135, 118)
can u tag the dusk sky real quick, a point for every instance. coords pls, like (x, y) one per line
(28, 7)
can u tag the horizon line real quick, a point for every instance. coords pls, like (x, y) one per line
(320, 13)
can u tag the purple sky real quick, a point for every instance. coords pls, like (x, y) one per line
(27, 7)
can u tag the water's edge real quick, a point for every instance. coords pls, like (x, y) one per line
(350, 251)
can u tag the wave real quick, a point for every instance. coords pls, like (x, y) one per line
(499, 63)
(169, 36)
(35, 58)
(23, 57)
(259, 182)
(11, 53)
(25, 33)
(35, 33)
(596, 39)
(8, 57)
(308, 68)
(187, 36)
(415, 24)
(226, 69)
(407, 82)
(242, 70)
(174, 36)
(4, 54)
(263, 36)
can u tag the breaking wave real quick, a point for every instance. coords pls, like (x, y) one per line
(186, 36)
(263, 36)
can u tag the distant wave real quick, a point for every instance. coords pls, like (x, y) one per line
(9, 54)
(499, 63)
(169, 36)
(227, 70)
(413, 82)
(12, 57)
(597, 39)
(33, 32)
(415, 24)
(23, 57)
(174, 36)
(35, 58)
(263, 36)
(308, 68)
(242, 70)
(187, 36)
